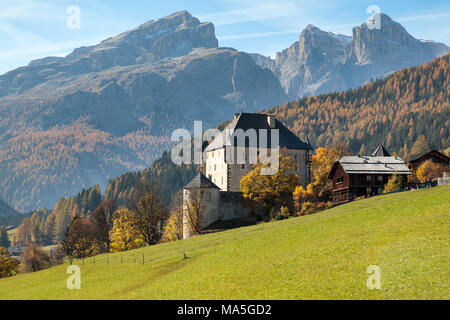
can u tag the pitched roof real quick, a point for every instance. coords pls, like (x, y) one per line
(380, 152)
(200, 181)
(416, 157)
(246, 121)
(371, 165)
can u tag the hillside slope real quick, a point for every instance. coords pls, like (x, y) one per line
(394, 111)
(322, 256)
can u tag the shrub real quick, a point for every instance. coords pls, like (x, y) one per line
(314, 207)
(395, 183)
(8, 266)
(34, 259)
(57, 256)
(282, 214)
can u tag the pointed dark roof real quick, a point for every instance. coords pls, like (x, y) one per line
(381, 152)
(258, 121)
(200, 181)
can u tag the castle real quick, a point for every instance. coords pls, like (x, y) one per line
(229, 157)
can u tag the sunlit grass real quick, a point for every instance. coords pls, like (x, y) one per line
(322, 256)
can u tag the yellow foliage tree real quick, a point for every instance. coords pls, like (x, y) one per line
(8, 266)
(430, 170)
(301, 196)
(395, 183)
(269, 189)
(123, 235)
(322, 163)
(173, 230)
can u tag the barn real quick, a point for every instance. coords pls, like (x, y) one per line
(359, 176)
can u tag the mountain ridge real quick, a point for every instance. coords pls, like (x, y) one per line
(323, 62)
(108, 109)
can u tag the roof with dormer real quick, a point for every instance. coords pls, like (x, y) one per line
(257, 121)
(371, 165)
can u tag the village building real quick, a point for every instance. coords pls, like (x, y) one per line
(358, 176)
(415, 161)
(222, 165)
(16, 252)
(218, 185)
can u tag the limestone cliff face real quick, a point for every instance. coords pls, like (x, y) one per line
(128, 93)
(376, 52)
(322, 62)
(309, 66)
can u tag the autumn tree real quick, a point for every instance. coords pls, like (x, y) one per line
(270, 189)
(123, 235)
(34, 259)
(193, 206)
(430, 170)
(103, 218)
(173, 230)
(80, 241)
(8, 266)
(49, 229)
(421, 145)
(321, 165)
(148, 212)
(395, 182)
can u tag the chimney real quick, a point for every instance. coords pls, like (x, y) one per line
(271, 121)
(236, 115)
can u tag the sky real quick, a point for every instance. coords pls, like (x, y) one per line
(32, 29)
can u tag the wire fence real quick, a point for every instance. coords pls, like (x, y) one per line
(122, 258)
(115, 259)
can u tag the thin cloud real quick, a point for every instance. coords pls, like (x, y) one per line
(254, 13)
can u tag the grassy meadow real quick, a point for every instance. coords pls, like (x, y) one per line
(321, 256)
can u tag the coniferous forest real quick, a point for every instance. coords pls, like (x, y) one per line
(409, 108)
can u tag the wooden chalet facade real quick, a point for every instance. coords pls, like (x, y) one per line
(415, 161)
(358, 176)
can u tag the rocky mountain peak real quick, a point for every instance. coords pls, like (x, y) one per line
(321, 61)
(384, 40)
(172, 36)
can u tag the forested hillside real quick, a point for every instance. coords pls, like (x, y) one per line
(6, 210)
(405, 111)
(169, 177)
(47, 227)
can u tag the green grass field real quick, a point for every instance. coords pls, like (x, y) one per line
(322, 256)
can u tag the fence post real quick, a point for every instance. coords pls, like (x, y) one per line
(94, 259)
(121, 259)
(143, 258)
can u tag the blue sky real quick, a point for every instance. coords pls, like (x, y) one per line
(31, 29)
